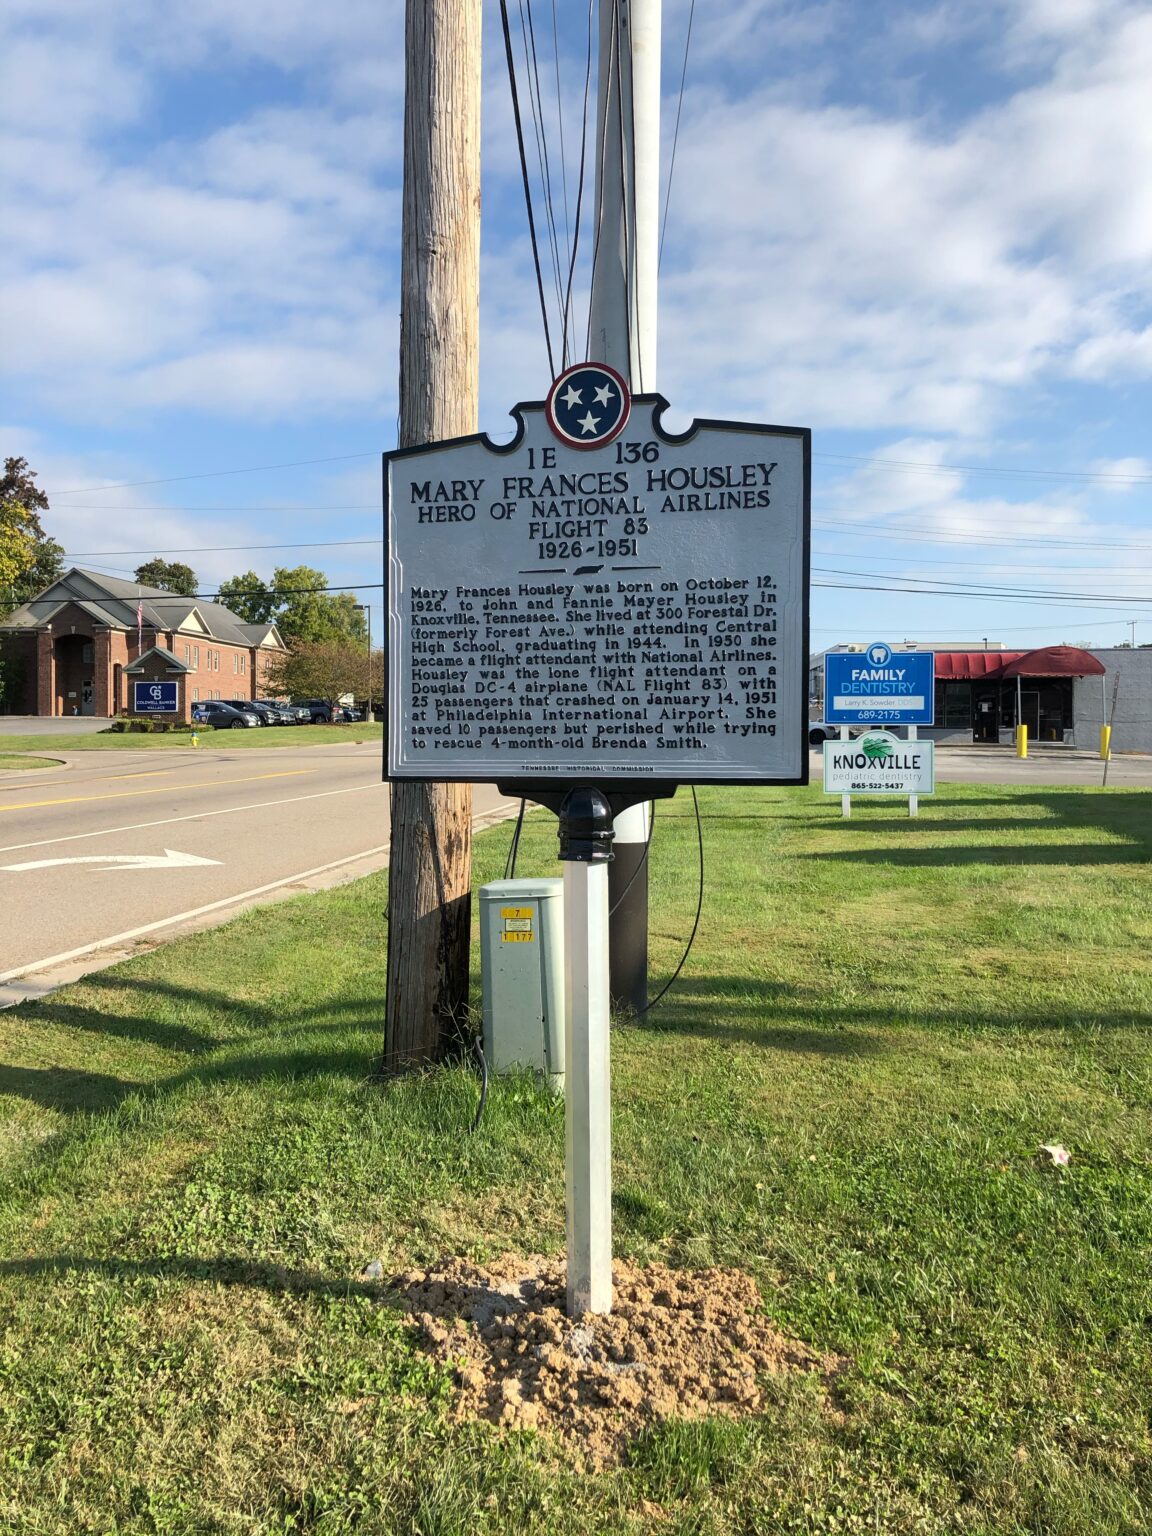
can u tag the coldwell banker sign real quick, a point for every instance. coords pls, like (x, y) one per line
(879, 763)
(154, 698)
(599, 598)
(879, 686)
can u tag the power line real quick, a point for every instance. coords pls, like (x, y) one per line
(536, 106)
(929, 583)
(675, 138)
(1063, 600)
(1097, 570)
(211, 474)
(915, 534)
(580, 183)
(216, 549)
(132, 506)
(991, 469)
(527, 183)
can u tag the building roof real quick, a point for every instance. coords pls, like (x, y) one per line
(956, 666)
(113, 601)
(172, 662)
(997, 666)
(1055, 661)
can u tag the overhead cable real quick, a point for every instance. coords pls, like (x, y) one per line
(527, 184)
(675, 138)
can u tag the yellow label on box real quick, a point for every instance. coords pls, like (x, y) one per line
(515, 911)
(518, 938)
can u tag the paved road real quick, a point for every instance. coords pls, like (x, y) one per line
(213, 830)
(52, 725)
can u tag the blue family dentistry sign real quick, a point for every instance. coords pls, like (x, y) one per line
(154, 698)
(879, 686)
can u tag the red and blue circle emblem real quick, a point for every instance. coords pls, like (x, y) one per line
(588, 405)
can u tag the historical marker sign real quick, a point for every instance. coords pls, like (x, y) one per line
(879, 686)
(879, 763)
(626, 608)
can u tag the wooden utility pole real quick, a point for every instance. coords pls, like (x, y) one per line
(430, 877)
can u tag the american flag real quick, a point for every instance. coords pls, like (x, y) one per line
(139, 623)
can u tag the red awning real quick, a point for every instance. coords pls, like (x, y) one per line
(957, 666)
(1055, 661)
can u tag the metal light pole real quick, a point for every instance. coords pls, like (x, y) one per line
(366, 610)
(623, 334)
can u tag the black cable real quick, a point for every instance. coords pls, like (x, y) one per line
(625, 182)
(514, 846)
(604, 91)
(643, 859)
(696, 923)
(580, 183)
(560, 121)
(675, 139)
(536, 102)
(527, 183)
(478, 1047)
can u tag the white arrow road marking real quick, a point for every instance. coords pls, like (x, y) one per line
(170, 859)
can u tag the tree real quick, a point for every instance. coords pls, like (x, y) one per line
(168, 575)
(321, 669)
(29, 559)
(307, 612)
(249, 598)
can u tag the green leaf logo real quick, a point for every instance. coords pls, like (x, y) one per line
(876, 749)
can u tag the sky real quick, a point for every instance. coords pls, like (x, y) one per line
(922, 229)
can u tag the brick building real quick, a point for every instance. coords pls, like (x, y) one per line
(66, 652)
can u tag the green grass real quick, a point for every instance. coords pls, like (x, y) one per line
(23, 761)
(844, 1094)
(179, 741)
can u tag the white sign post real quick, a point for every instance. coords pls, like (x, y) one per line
(587, 616)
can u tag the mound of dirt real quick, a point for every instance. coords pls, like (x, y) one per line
(677, 1344)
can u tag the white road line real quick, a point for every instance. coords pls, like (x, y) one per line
(487, 819)
(228, 810)
(183, 917)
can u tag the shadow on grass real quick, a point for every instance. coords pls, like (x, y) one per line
(1122, 814)
(222, 1270)
(774, 1015)
(729, 1008)
(65, 1089)
(953, 855)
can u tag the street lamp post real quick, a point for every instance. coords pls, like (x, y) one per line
(366, 610)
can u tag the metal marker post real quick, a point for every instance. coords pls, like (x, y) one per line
(913, 800)
(845, 800)
(586, 850)
(622, 333)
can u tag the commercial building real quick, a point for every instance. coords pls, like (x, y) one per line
(1062, 693)
(80, 646)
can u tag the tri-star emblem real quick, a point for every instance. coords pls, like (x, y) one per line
(588, 405)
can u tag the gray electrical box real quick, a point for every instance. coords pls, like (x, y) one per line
(522, 975)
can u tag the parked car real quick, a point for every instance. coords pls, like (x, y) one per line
(350, 712)
(290, 714)
(223, 717)
(250, 706)
(320, 712)
(818, 733)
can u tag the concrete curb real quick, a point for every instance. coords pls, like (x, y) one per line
(56, 766)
